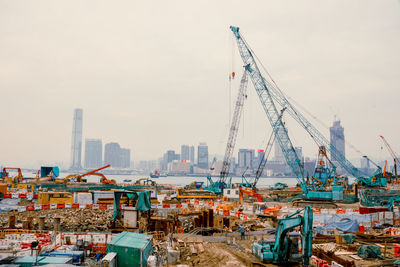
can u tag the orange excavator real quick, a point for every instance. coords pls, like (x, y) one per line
(79, 177)
(249, 192)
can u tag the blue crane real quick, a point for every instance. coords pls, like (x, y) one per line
(269, 95)
(218, 186)
(271, 110)
(277, 95)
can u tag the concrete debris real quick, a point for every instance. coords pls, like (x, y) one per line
(76, 220)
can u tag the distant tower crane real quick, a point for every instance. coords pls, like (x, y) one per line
(219, 186)
(230, 145)
(396, 161)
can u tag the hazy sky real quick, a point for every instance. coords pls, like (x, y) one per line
(153, 75)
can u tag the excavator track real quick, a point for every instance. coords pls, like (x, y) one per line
(299, 202)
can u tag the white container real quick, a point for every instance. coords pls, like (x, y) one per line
(130, 217)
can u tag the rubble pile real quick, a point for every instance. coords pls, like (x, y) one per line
(76, 220)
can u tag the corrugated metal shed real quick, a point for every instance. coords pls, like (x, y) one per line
(132, 249)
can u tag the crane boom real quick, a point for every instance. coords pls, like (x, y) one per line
(316, 135)
(264, 158)
(230, 145)
(270, 109)
(280, 98)
(396, 161)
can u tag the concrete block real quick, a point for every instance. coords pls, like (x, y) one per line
(173, 255)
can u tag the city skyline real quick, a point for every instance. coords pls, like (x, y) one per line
(154, 89)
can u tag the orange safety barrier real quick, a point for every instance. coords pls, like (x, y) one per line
(340, 211)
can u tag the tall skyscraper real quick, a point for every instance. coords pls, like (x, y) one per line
(185, 152)
(191, 154)
(202, 156)
(112, 155)
(278, 152)
(93, 153)
(337, 137)
(76, 144)
(299, 152)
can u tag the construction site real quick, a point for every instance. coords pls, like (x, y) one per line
(322, 221)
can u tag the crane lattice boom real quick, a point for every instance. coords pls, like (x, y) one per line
(270, 109)
(230, 146)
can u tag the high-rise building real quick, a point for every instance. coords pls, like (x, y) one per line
(279, 157)
(260, 156)
(191, 154)
(246, 158)
(185, 152)
(112, 155)
(202, 156)
(125, 158)
(299, 152)
(337, 137)
(168, 157)
(93, 153)
(76, 144)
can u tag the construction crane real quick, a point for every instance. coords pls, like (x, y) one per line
(230, 145)
(396, 161)
(268, 95)
(270, 109)
(218, 186)
(274, 93)
(251, 183)
(265, 156)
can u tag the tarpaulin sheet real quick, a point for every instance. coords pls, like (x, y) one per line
(343, 226)
(143, 202)
(349, 238)
(369, 251)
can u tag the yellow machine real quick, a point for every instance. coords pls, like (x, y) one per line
(46, 198)
(195, 194)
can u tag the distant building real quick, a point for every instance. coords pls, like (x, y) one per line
(168, 157)
(260, 156)
(179, 168)
(125, 158)
(191, 154)
(299, 152)
(338, 141)
(112, 155)
(185, 153)
(246, 160)
(337, 137)
(76, 144)
(202, 156)
(93, 153)
(279, 157)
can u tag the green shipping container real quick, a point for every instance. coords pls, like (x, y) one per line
(132, 249)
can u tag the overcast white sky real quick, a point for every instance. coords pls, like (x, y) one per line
(153, 75)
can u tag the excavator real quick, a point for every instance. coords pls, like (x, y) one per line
(79, 177)
(249, 192)
(289, 246)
